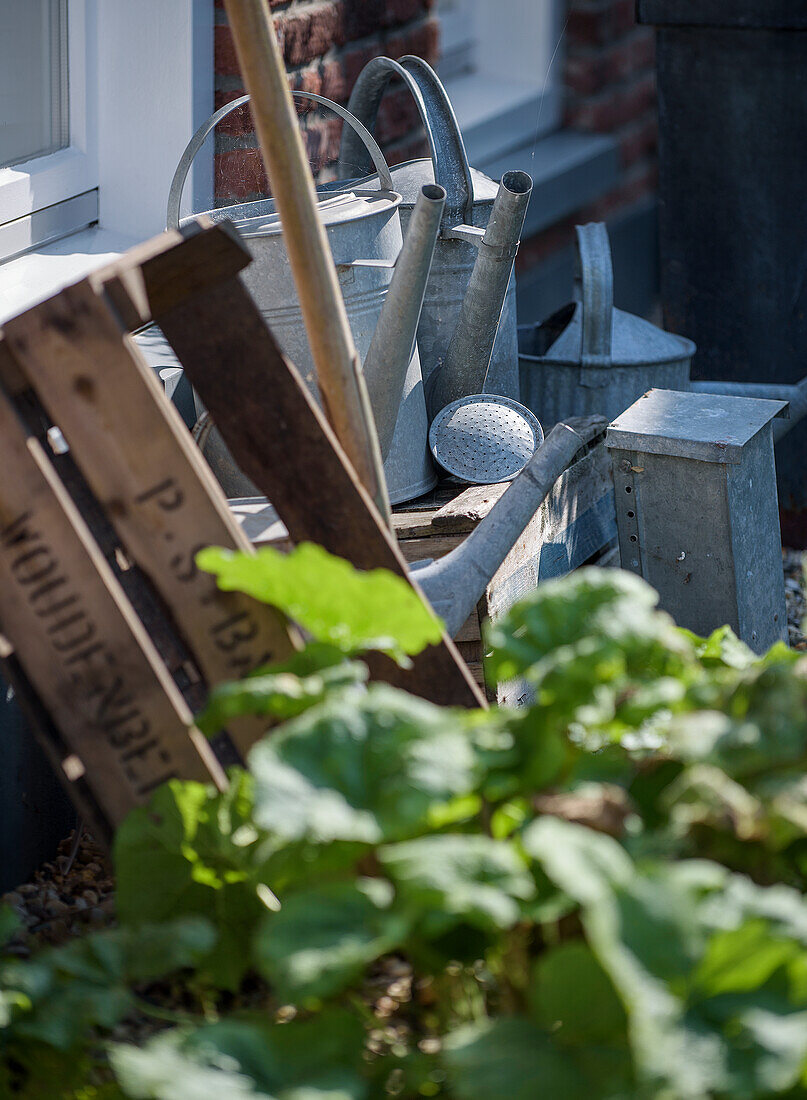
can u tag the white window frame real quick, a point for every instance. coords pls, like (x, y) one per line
(141, 82)
(502, 66)
(45, 181)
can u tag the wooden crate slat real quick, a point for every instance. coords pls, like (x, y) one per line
(81, 645)
(282, 442)
(151, 480)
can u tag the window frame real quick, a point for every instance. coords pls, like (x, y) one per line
(54, 178)
(491, 76)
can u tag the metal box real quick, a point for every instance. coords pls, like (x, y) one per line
(697, 509)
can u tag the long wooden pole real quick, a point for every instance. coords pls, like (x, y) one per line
(341, 383)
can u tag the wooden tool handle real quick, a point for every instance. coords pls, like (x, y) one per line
(341, 383)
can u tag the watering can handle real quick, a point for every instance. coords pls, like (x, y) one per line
(451, 168)
(198, 140)
(594, 289)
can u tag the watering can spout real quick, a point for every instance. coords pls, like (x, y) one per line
(392, 346)
(795, 395)
(465, 368)
(455, 583)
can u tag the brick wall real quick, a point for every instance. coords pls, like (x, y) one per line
(610, 88)
(326, 44)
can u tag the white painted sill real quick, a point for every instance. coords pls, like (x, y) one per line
(37, 275)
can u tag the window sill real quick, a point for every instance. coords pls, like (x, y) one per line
(31, 278)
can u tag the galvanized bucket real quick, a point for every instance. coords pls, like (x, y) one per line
(591, 358)
(470, 198)
(364, 232)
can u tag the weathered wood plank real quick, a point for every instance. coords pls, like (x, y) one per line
(150, 479)
(464, 513)
(81, 645)
(281, 441)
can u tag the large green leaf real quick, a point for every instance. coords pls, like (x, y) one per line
(511, 1059)
(318, 1052)
(460, 877)
(708, 965)
(584, 864)
(364, 768)
(195, 851)
(87, 983)
(322, 939)
(282, 691)
(246, 1060)
(573, 997)
(352, 610)
(163, 1070)
(9, 923)
(589, 621)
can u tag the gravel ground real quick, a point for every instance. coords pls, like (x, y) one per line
(794, 594)
(65, 898)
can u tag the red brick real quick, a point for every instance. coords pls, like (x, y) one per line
(614, 107)
(599, 23)
(239, 174)
(423, 41)
(334, 82)
(311, 31)
(403, 11)
(638, 142)
(353, 60)
(307, 80)
(590, 70)
(239, 122)
(362, 17)
(226, 62)
(397, 115)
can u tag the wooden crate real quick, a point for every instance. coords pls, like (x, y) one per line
(109, 633)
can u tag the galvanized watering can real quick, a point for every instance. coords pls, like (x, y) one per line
(469, 204)
(591, 358)
(383, 282)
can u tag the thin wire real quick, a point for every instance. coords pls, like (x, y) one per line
(546, 82)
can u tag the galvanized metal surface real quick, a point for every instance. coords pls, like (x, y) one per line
(591, 358)
(466, 366)
(703, 426)
(696, 507)
(454, 583)
(484, 439)
(795, 396)
(392, 348)
(364, 233)
(471, 195)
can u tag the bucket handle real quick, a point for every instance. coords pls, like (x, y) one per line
(198, 139)
(594, 289)
(450, 160)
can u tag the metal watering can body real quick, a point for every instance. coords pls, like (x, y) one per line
(364, 232)
(469, 204)
(590, 358)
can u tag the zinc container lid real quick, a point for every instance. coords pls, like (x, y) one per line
(634, 342)
(703, 426)
(409, 176)
(261, 219)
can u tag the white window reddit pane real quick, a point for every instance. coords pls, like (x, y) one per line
(34, 108)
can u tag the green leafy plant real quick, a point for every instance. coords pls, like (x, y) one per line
(599, 895)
